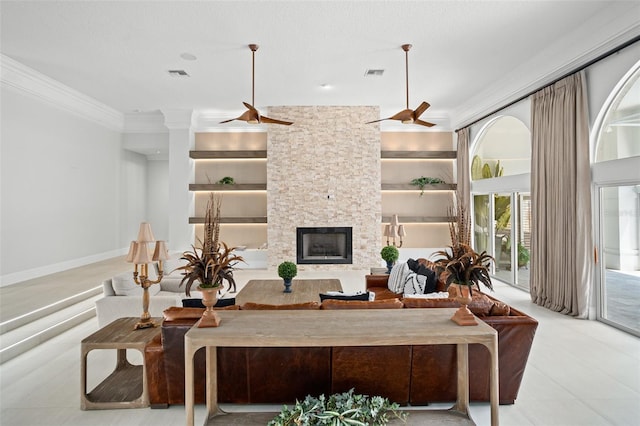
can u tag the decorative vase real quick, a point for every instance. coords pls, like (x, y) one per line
(287, 285)
(389, 266)
(210, 317)
(462, 295)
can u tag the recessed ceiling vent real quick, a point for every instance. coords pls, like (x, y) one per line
(178, 73)
(373, 72)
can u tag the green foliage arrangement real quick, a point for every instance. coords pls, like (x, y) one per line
(227, 180)
(464, 266)
(423, 181)
(389, 254)
(287, 270)
(344, 409)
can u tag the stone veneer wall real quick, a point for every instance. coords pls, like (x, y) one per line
(324, 170)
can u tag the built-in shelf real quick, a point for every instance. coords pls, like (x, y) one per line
(237, 220)
(419, 219)
(418, 155)
(409, 187)
(227, 187)
(221, 155)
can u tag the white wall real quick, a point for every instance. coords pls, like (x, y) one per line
(158, 198)
(60, 188)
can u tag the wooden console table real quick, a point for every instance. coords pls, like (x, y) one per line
(271, 291)
(336, 328)
(126, 387)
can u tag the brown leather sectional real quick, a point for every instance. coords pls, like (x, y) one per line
(416, 375)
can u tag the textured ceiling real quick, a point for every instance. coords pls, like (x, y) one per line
(467, 56)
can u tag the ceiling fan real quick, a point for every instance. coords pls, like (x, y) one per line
(252, 115)
(409, 116)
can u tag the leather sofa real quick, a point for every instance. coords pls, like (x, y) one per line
(416, 375)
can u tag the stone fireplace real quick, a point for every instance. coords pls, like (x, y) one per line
(324, 171)
(324, 245)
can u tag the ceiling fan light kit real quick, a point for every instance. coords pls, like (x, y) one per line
(252, 115)
(408, 116)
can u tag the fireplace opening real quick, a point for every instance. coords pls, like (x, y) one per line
(324, 245)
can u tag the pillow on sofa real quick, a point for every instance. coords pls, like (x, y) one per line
(197, 303)
(360, 304)
(266, 307)
(123, 285)
(398, 276)
(337, 295)
(422, 270)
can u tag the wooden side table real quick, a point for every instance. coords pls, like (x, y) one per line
(126, 387)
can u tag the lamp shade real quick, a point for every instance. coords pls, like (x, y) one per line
(386, 231)
(160, 252)
(394, 220)
(142, 254)
(133, 247)
(145, 233)
(401, 231)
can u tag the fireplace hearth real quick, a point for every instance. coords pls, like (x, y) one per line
(324, 245)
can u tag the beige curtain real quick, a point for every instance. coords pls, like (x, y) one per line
(561, 240)
(463, 173)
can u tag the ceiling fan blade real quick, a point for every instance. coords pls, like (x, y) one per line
(250, 107)
(377, 121)
(421, 108)
(268, 120)
(404, 115)
(424, 123)
(228, 121)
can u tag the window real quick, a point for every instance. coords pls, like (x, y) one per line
(500, 173)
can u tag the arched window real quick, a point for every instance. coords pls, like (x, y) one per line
(619, 135)
(616, 180)
(500, 175)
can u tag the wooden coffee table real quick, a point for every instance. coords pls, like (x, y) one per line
(271, 291)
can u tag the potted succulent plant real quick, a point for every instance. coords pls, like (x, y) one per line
(389, 254)
(210, 265)
(465, 268)
(287, 270)
(344, 409)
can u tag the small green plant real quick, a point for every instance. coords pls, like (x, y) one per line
(287, 270)
(344, 409)
(227, 180)
(423, 181)
(389, 254)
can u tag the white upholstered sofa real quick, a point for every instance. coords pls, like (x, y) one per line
(122, 297)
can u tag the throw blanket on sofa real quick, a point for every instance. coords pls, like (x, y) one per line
(411, 278)
(403, 280)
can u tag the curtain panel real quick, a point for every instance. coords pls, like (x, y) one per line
(463, 170)
(561, 240)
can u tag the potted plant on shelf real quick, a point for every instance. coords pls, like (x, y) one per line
(389, 254)
(287, 270)
(210, 265)
(342, 409)
(465, 269)
(227, 180)
(423, 181)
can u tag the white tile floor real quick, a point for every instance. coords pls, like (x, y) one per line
(579, 373)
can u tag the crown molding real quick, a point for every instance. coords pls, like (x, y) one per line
(19, 77)
(145, 122)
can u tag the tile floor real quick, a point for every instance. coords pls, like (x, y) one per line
(579, 373)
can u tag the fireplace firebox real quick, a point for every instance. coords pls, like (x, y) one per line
(324, 245)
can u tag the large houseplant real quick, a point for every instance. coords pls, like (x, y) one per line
(211, 264)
